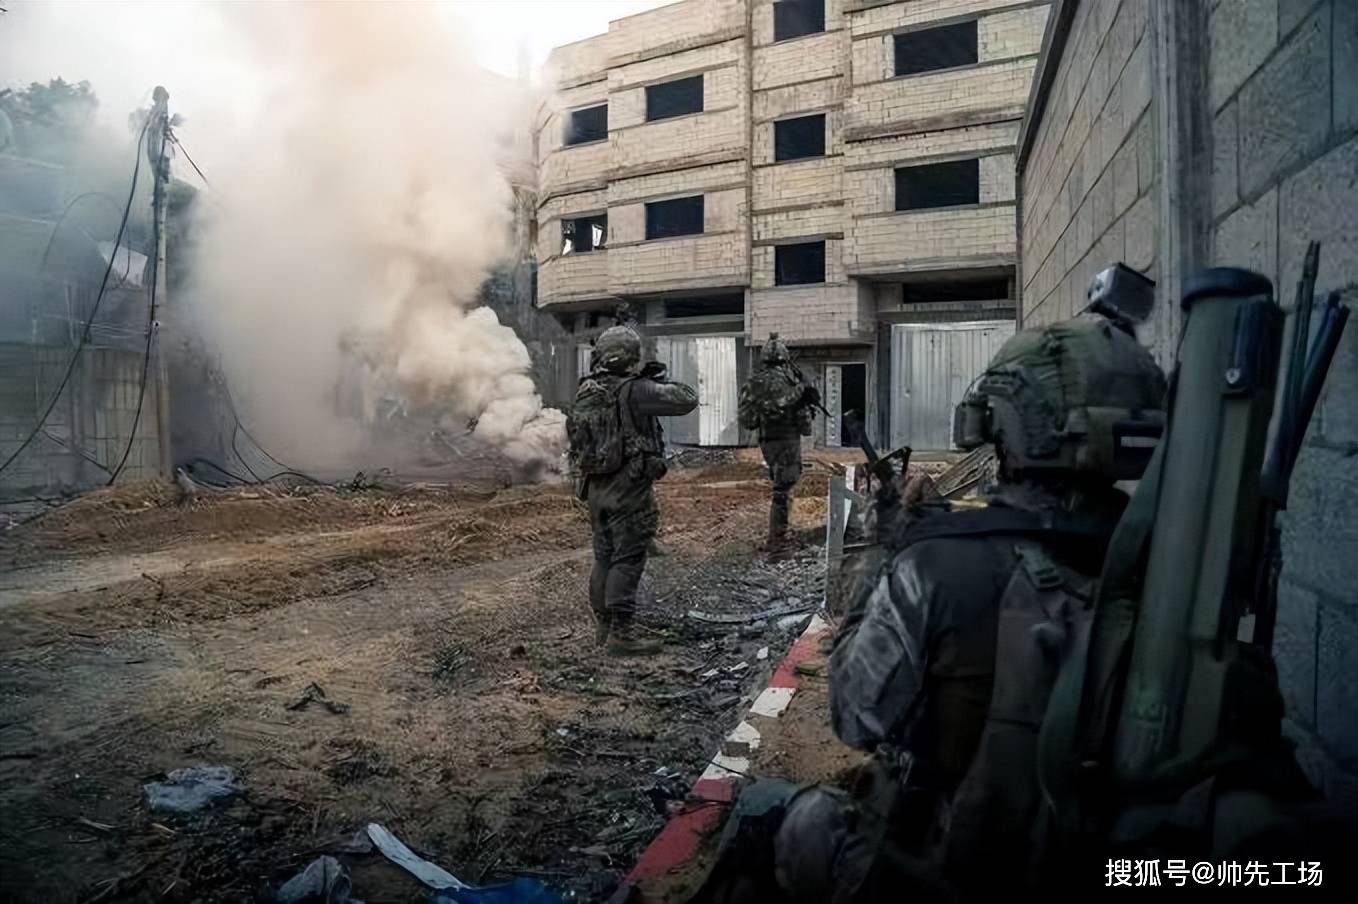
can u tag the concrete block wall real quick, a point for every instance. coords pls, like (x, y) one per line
(1284, 111)
(933, 100)
(94, 416)
(1088, 183)
(674, 28)
(685, 262)
(937, 240)
(574, 277)
(1280, 131)
(810, 314)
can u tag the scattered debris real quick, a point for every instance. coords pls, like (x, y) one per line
(392, 848)
(314, 693)
(360, 843)
(519, 891)
(191, 789)
(324, 880)
(794, 606)
(737, 668)
(762, 654)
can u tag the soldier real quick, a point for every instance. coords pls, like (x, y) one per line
(777, 401)
(914, 663)
(617, 446)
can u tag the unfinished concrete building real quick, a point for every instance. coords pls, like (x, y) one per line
(839, 172)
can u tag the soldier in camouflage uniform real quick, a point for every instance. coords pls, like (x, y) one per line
(777, 401)
(618, 444)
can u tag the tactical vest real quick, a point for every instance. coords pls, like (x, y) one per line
(770, 402)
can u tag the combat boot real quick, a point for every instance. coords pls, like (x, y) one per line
(601, 629)
(626, 640)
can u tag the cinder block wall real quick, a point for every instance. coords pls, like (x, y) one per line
(1281, 125)
(1087, 187)
(92, 420)
(1284, 107)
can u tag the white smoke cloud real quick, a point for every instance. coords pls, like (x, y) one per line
(350, 229)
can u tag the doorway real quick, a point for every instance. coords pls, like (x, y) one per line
(846, 392)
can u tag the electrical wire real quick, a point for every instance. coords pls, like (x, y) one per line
(89, 321)
(179, 144)
(150, 313)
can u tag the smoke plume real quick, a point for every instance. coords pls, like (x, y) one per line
(337, 267)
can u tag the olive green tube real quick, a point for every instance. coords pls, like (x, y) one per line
(1198, 572)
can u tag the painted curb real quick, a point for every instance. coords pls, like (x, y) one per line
(715, 789)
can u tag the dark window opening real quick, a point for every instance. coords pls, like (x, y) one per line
(674, 98)
(583, 234)
(853, 400)
(682, 216)
(590, 124)
(727, 305)
(794, 18)
(799, 264)
(938, 185)
(794, 139)
(936, 48)
(959, 290)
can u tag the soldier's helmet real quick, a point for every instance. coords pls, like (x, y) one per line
(774, 351)
(1079, 396)
(617, 350)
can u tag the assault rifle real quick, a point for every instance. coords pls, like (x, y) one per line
(1170, 685)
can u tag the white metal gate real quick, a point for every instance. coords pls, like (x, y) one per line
(932, 365)
(707, 363)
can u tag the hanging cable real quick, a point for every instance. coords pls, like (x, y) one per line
(89, 321)
(179, 144)
(150, 307)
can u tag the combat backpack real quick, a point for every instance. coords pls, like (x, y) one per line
(597, 427)
(770, 397)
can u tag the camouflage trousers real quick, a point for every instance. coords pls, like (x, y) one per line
(623, 526)
(783, 458)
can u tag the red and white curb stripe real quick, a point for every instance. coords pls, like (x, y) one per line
(715, 789)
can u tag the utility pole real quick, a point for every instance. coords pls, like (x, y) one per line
(157, 135)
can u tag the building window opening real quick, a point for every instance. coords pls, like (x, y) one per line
(799, 264)
(936, 48)
(956, 290)
(794, 139)
(583, 234)
(950, 184)
(676, 98)
(722, 305)
(589, 124)
(681, 216)
(794, 18)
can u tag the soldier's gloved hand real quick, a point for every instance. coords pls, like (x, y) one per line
(653, 370)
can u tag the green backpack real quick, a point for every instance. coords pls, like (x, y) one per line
(596, 427)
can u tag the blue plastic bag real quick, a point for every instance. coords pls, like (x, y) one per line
(519, 891)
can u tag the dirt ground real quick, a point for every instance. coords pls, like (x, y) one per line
(473, 716)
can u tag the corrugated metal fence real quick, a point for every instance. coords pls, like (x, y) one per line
(932, 365)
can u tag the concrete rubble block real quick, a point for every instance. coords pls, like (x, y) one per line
(1319, 530)
(1249, 238)
(1285, 106)
(1336, 668)
(1294, 650)
(1242, 33)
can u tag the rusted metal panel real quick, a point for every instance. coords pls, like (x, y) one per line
(933, 364)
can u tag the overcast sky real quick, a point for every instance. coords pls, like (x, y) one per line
(193, 47)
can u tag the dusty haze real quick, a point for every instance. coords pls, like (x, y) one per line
(338, 262)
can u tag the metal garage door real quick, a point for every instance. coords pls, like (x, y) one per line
(707, 363)
(931, 366)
